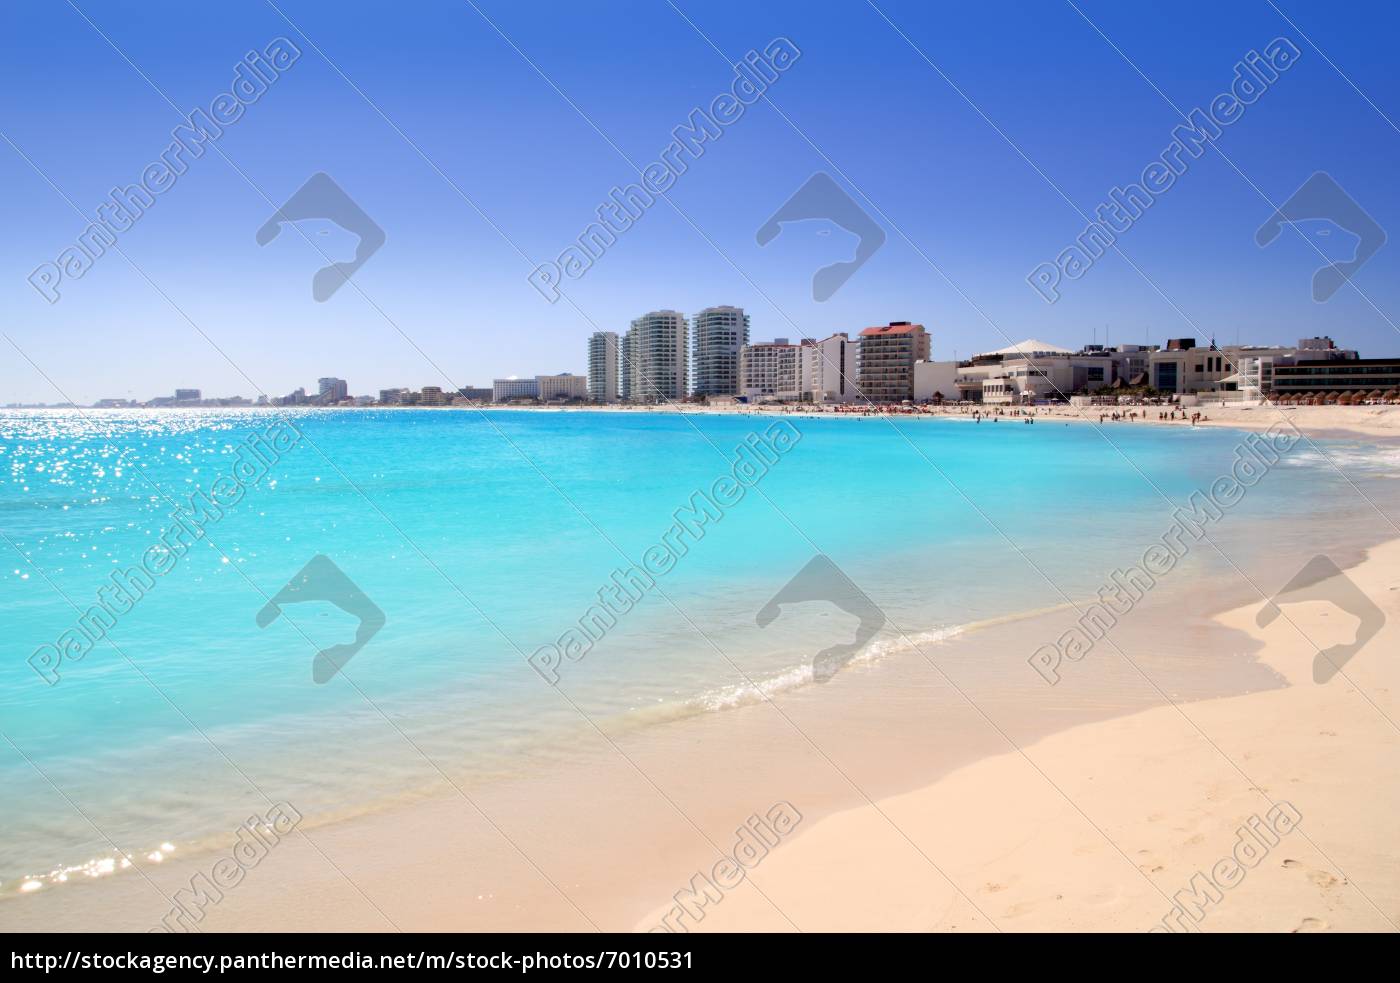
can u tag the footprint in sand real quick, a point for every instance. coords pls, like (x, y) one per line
(1322, 879)
(1311, 925)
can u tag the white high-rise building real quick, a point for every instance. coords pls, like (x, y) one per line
(603, 367)
(656, 362)
(769, 371)
(625, 368)
(830, 369)
(719, 335)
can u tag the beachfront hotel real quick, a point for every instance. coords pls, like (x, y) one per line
(332, 390)
(655, 365)
(1319, 377)
(829, 369)
(513, 388)
(887, 357)
(603, 367)
(561, 387)
(768, 371)
(719, 335)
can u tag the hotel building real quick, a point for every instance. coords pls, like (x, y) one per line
(1246, 370)
(656, 358)
(625, 369)
(506, 390)
(561, 387)
(332, 390)
(768, 372)
(603, 367)
(1033, 370)
(719, 335)
(1320, 367)
(830, 370)
(887, 357)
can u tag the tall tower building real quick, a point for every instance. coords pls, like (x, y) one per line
(720, 334)
(655, 368)
(603, 367)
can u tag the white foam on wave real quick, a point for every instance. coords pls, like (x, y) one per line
(1372, 460)
(764, 688)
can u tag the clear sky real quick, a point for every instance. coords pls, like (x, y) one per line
(446, 301)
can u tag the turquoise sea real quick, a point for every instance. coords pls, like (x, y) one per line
(483, 537)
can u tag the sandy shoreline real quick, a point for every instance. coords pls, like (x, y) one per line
(1151, 801)
(1316, 421)
(1115, 806)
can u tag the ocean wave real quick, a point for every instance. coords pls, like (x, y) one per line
(764, 688)
(1368, 459)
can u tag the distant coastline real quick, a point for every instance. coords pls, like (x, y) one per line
(1373, 421)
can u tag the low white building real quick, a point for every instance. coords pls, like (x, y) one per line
(1037, 370)
(564, 386)
(935, 380)
(505, 390)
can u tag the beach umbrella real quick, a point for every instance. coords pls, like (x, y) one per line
(1391, 395)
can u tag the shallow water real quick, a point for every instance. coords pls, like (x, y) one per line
(483, 537)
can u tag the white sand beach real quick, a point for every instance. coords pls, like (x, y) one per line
(1096, 826)
(1158, 798)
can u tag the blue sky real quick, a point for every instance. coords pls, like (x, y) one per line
(446, 301)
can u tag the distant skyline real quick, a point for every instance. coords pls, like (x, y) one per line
(445, 301)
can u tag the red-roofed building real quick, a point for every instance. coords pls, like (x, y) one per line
(887, 357)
